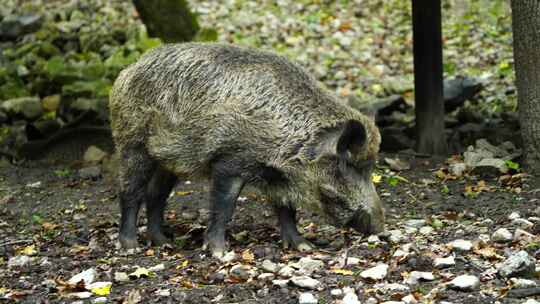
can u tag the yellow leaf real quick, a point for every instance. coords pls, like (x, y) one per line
(29, 250)
(49, 226)
(183, 193)
(248, 256)
(376, 178)
(342, 271)
(140, 272)
(101, 288)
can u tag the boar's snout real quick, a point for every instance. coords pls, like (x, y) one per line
(368, 221)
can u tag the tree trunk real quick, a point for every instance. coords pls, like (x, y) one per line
(428, 77)
(169, 20)
(526, 30)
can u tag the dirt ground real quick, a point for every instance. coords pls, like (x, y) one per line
(72, 224)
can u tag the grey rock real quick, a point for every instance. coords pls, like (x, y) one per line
(457, 169)
(522, 235)
(307, 265)
(286, 272)
(473, 157)
(280, 283)
(522, 223)
(266, 276)
(242, 272)
(523, 283)
(520, 264)
(502, 235)
(94, 154)
(19, 261)
(336, 292)
(378, 272)
(121, 277)
(416, 223)
(417, 276)
(461, 245)
(305, 282)
(465, 283)
(396, 236)
(485, 164)
(28, 107)
(350, 298)
(269, 266)
(307, 298)
(444, 262)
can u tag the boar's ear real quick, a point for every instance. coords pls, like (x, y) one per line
(352, 138)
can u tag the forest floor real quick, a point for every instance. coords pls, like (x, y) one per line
(55, 224)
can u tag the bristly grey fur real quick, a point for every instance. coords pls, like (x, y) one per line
(188, 104)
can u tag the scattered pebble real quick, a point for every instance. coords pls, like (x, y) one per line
(416, 276)
(426, 230)
(88, 276)
(416, 223)
(522, 223)
(305, 282)
(373, 239)
(396, 236)
(286, 272)
(523, 283)
(465, 283)
(513, 216)
(280, 283)
(409, 299)
(307, 265)
(375, 273)
(269, 266)
(266, 276)
(502, 235)
(19, 261)
(522, 235)
(446, 262)
(229, 257)
(158, 267)
(336, 292)
(242, 272)
(121, 277)
(307, 298)
(350, 297)
(461, 245)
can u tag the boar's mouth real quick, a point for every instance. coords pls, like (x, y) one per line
(361, 222)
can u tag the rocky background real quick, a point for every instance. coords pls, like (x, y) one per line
(58, 61)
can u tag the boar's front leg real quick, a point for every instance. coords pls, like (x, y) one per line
(289, 233)
(136, 169)
(158, 191)
(225, 188)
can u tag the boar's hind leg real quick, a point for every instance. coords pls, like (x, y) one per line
(289, 234)
(157, 193)
(225, 188)
(136, 169)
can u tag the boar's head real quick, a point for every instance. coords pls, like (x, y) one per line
(340, 173)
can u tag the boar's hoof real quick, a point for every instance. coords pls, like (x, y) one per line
(217, 251)
(128, 243)
(159, 239)
(299, 244)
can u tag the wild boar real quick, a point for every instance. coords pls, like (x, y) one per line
(239, 116)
